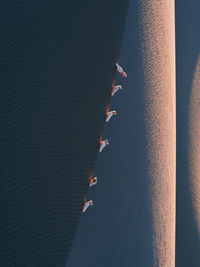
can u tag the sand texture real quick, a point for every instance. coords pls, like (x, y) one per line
(158, 65)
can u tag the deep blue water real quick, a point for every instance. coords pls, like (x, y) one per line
(117, 230)
(56, 72)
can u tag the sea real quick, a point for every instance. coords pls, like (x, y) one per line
(56, 76)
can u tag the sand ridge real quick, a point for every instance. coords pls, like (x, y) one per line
(158, 63)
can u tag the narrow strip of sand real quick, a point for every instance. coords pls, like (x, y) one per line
(157, 38)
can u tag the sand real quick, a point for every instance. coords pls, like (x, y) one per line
(158, 62)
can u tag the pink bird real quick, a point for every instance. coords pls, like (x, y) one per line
(120, 70)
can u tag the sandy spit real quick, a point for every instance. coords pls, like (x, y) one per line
(158, 61)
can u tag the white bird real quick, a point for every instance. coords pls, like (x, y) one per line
(110, 114)
(87, 204)
(120, 70)
(103, 144)
(93, 181)
(115, 89)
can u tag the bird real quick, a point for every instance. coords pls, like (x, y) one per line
(103, 144)
(93, 181)
(115, 89)
(120, 70)
(87, 204)
(110, 114)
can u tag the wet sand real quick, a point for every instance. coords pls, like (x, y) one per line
(57, 67)
(132, 222)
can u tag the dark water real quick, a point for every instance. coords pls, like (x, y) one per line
(117, 230)
(56, 72)
(187, 51)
